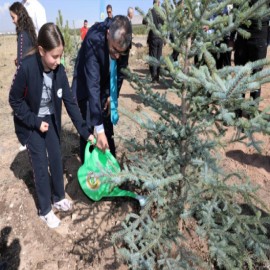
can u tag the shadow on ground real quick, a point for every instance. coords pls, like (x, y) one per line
(254, 160)
(9, 251)
(133, 97)
(23, 171)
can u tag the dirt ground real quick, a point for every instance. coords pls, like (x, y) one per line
(83, 239)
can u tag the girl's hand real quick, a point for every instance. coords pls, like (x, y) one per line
(44, 127)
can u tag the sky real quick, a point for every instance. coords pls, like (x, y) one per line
(74, 10)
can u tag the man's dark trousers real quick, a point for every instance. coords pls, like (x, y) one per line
(155, 50)
(252, 49)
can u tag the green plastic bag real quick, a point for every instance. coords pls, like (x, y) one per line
(89, 173)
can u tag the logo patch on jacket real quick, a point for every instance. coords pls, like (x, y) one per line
(59, 92)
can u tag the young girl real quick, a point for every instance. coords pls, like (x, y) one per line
(38, 89)
(26, 34)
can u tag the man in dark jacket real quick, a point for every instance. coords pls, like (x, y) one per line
(91, 81)
(154, 41)
(254, 48)
(109, 11)
(123, 61)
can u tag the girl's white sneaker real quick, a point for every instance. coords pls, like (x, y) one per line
(63, 205)
(51, 220)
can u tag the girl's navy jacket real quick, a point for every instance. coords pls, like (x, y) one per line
(25, 96)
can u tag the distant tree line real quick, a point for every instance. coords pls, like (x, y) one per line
(138, 29)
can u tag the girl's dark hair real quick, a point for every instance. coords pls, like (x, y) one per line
(50, 37)
(24, 22)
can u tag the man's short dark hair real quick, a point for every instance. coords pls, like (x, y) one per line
(121, 31)
(109, 6)
(85, 21)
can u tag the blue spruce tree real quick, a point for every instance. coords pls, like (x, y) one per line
(178, 166)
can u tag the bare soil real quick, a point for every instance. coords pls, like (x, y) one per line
(83, 239)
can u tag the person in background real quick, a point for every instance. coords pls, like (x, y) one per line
(154, 41)
(91, 79)
(130, 13)
(84, 29)
(37, 12)
(109, 11)
(253, 48)
(36, 99)
(26, 35)
(175, 53)
(224, 59)
(123, 61)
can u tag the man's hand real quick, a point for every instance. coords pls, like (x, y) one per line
(44, 127)
(108, 106)
(102, 142)
(91, 139)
